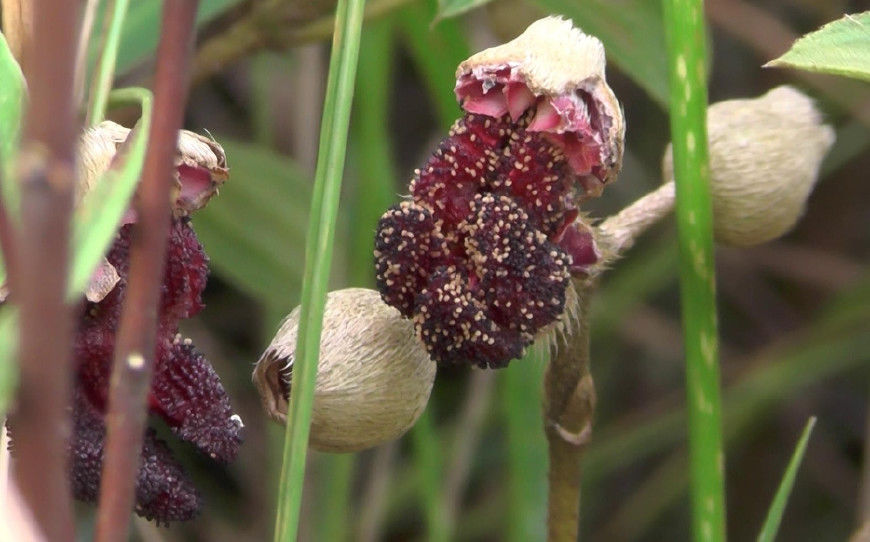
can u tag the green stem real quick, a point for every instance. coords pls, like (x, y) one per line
(318, 259)
(102, 84)
(429, 468)
(685, 31)
(336, 471)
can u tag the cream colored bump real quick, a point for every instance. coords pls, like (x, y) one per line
(553, 56)
(765, 155)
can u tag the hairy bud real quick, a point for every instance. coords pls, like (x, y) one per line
(373, 378)
(764, 159)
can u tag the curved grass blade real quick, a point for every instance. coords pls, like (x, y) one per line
(96, 220)
(777, 507)
(452, 8)
(318, 259)
(102, 84)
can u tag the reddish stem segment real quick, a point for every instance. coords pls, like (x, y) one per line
(41, 421)
(134, 351)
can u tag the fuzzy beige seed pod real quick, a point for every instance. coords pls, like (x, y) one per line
(373, 379)
(764, 160)
(559, 70)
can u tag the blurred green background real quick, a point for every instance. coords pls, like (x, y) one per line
(794, 314)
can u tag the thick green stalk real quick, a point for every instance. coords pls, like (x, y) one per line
(102, 84)
(318, 259)
(684, 22)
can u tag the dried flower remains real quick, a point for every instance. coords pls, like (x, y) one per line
(185, 392)
(481, 254)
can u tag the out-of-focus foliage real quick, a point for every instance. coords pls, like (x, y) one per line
(841, 47)
(12, 97)
(254, 232)
(452, 8)
(793, 314)
(141, 30)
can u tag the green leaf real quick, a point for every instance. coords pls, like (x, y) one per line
(632, 34)
(841, 48)
(96, 219)
(777, 507)
(452, 8)
(12, 101)
(141, 31)
(255, 231)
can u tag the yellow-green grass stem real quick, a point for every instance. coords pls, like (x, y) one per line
(685, 32)
(318, 259)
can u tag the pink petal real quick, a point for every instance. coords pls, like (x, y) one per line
(519, 98)
(491, 104)
(546, 118)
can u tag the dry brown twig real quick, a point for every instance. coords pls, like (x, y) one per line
(134, 350)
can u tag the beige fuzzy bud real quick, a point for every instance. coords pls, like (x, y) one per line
(557, 69)
(373, 378)
(765, 155)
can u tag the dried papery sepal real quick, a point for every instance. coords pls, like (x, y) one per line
(373, 377)
(557, 71)
(98, 147)
(200, 164)
(765, 155)
(104, 278)
(200, 170)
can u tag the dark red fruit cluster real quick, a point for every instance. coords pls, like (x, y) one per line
(481, 255)
(186, 392)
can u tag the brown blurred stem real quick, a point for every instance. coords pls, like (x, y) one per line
(134, 352)
(569, 391)
(46, 168)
